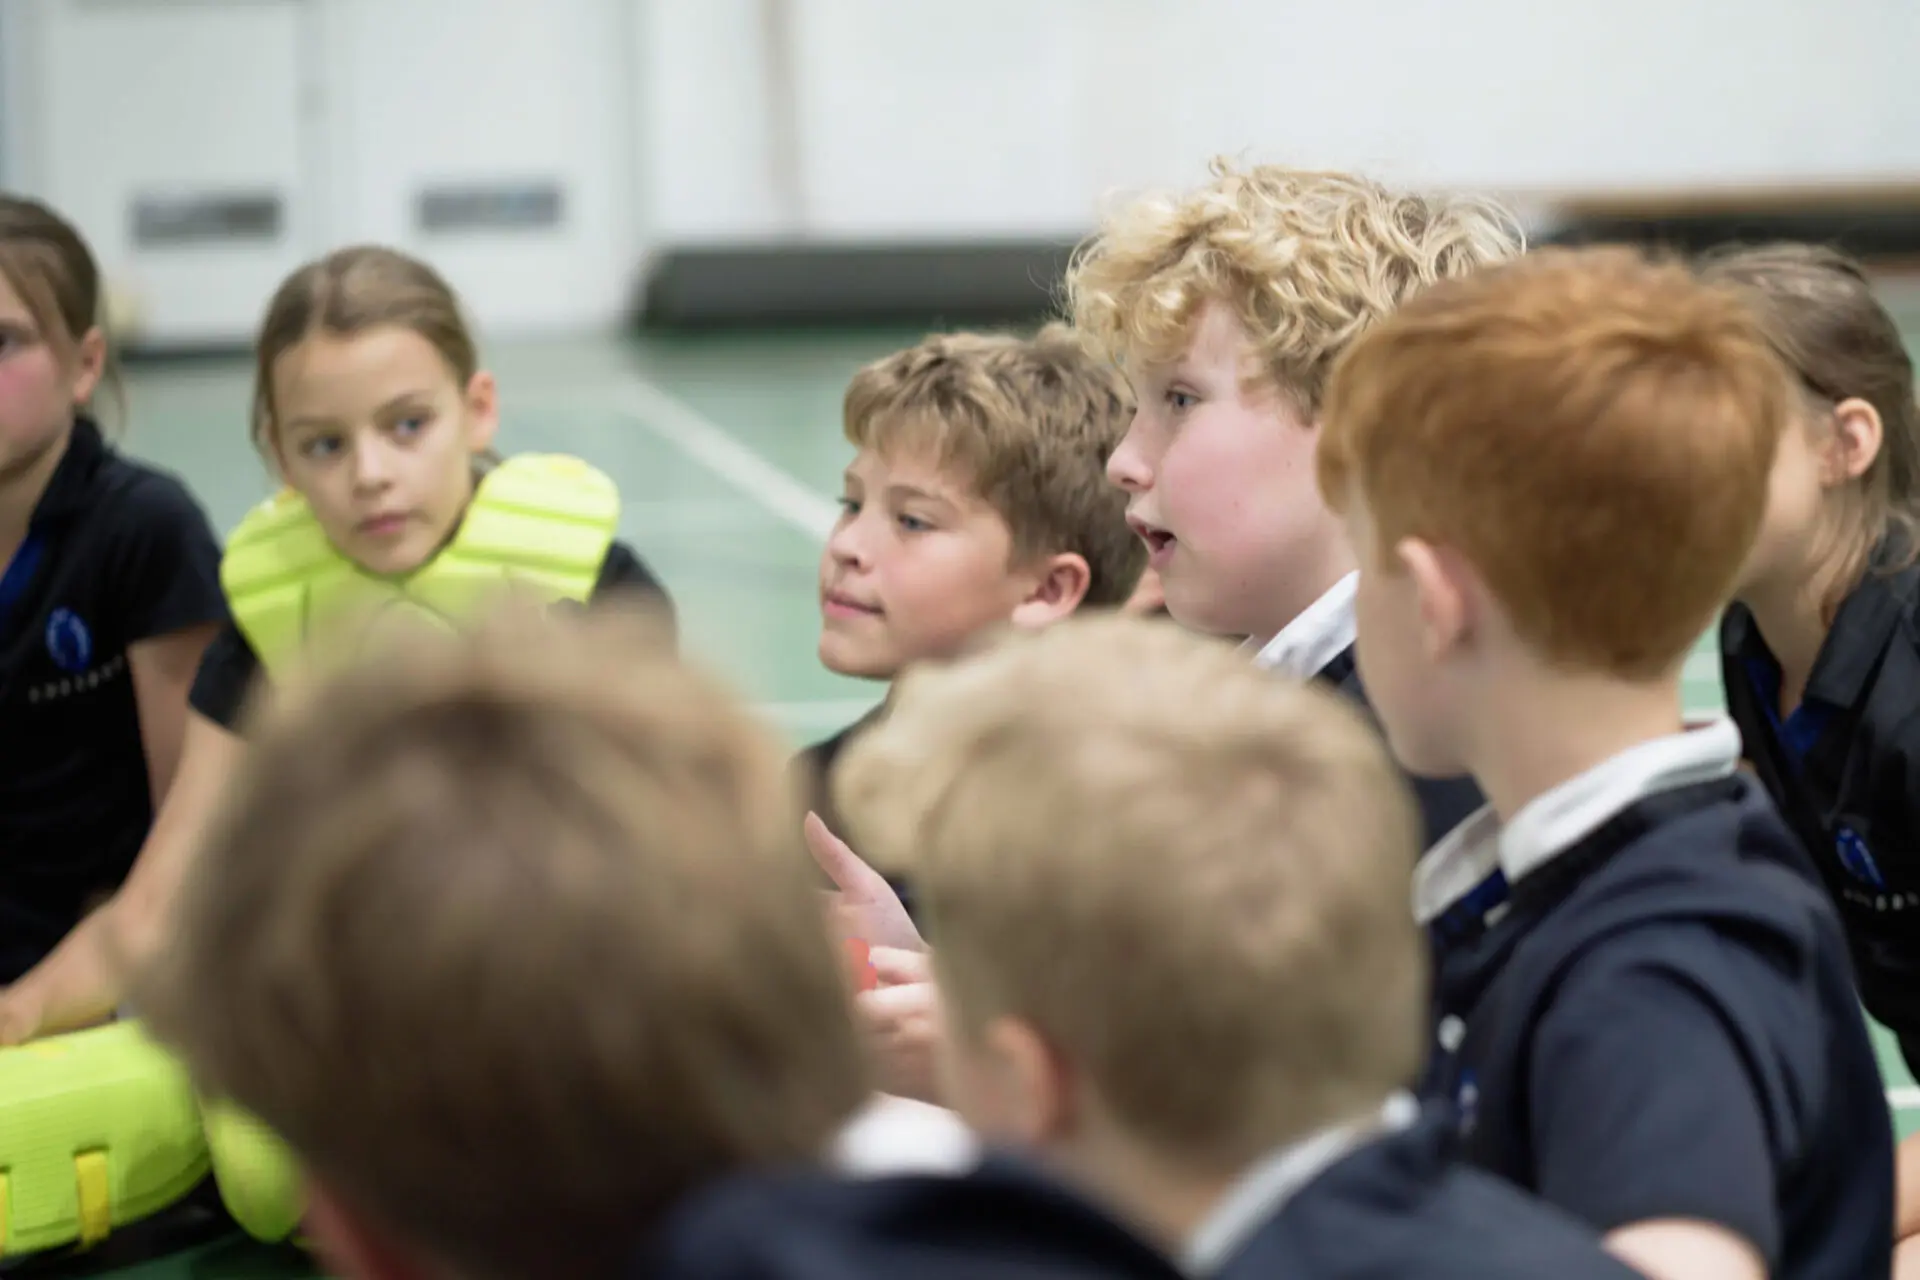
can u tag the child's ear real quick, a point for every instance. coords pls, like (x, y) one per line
(352, 1247)
(483, 411)
(1038, 1100)
(90, 364)
(1061, 586)
(1853, 442)
(1441, 594)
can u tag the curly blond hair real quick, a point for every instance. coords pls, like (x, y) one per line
(1307, 260)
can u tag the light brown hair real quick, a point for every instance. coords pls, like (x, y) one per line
(349, 292)
(1818, 309)
(514, 940)
(1591, 429)
(1027, 424)
(1190, 877)
(47, 261)
(1307, 260)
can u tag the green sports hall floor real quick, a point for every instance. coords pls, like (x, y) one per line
(727, 450)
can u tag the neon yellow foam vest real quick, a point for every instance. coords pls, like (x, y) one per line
(540, 523)
(101, 1128)
(97, 1129)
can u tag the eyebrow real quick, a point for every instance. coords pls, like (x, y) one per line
(312, 423)
(899, 492)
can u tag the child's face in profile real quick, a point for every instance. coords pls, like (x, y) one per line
(1826, 448)
(1401, 643)
(377, 434)
(916, 566)
(40, 383)
(1219, 468)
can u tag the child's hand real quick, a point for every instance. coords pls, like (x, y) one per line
(20, 1016)
(895, 968)
(863, 904)
(902, 1023)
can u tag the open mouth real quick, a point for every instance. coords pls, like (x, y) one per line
(1160, 543)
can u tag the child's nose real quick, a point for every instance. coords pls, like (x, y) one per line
(846, 544)
(1127, 466)
(372, 467)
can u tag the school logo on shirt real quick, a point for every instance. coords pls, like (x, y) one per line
(1466, 1101)
(1450, 1035)
(1857, 859)
(69, 643)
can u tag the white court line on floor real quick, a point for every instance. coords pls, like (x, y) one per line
(725, 454)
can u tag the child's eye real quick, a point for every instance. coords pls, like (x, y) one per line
(914, 524)
(849, 507)
(1180, 400)
(411, 425)
(319, 446)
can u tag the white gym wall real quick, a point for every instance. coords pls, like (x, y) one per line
(557, 142)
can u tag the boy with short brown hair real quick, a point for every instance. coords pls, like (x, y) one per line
(513, 941)
(1227, 305)
(1178, 968)
(1553, 472)
(976, 499)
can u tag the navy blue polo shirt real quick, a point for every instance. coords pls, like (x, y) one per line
(116, 553)
(1399, 1204)
(1319, 645)
(813, 775)
(1645, 1010)
(999, 1219)
(1844, 767)
(813, 768)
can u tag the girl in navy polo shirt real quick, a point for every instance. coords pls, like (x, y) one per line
(109, 590)
(1821, 654)
(373, 409)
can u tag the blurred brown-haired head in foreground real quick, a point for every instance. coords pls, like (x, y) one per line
(511, 935)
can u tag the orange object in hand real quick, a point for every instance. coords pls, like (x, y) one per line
(860, 957)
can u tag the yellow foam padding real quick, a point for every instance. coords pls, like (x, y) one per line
(97, 1129)
(259, 1179)
(96, 1196)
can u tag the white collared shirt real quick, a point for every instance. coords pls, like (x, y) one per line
(1558, 819)
(1322, 632)
(893, 1135)
(1264, 1188)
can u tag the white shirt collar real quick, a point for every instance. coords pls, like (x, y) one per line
(1260, 1192)
(893, 1135)
(1559, 818)
(1319, 634)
